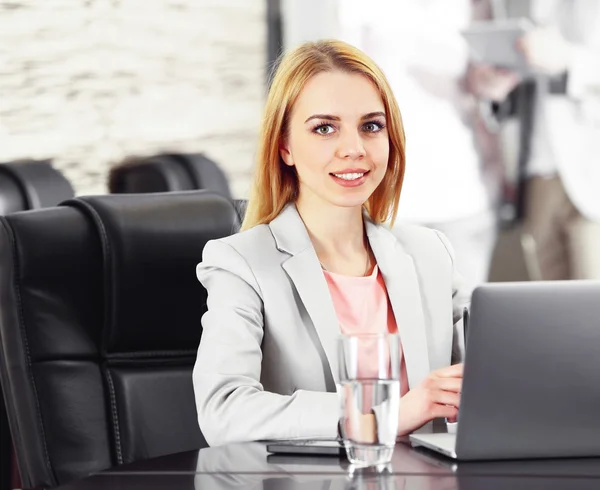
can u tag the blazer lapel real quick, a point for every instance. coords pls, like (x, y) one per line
(399, 274)
(305, 272)
(402, 284)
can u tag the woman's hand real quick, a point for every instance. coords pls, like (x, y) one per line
(437, 396)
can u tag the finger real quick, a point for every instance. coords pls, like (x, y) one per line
(442, 397)
(444, 411)
(447, 384)
(454, 371)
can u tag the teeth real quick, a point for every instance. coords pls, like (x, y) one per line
(353, 176)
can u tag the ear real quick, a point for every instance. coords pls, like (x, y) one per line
(285, 153)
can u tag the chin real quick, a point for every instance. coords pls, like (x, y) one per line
(350, 201)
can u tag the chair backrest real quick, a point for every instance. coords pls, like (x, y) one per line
(6, 461)
(99, 326)
(31, 184)
(25, 184)
(167, 173)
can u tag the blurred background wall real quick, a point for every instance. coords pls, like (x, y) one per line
(89, 82)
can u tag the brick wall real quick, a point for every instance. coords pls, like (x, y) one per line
(88, 82)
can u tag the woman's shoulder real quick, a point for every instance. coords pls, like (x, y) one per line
(408, 233)
(420, 241)
(242, 254)
(248, 242)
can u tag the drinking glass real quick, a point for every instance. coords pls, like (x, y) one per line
(369, 375)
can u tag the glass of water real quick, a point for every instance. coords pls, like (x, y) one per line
(369, 374)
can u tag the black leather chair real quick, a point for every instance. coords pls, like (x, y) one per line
(99, 326)
(171, 173)
(25, 184)
(5, 451)
(31, 184)
(166, 173)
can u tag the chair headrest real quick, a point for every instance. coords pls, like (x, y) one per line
(205, 173)
(11, 194)
(41, 184)
(151, 245)
(159, 173)
(168, 172)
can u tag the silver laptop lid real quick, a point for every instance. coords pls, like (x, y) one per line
(531, 384)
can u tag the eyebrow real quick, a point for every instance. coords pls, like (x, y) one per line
(329, 117)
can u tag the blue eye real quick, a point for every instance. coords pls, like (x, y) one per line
(324, 129)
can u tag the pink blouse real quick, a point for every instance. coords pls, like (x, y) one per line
(362, 307)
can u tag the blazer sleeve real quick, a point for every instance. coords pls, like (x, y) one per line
(461, 299)
(231, 402)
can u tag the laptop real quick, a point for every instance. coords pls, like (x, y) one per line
(531, 384)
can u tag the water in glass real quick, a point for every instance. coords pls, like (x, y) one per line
(370, 397)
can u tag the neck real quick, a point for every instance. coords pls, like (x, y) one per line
(333, 230)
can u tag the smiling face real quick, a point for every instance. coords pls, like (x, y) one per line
(337, 139)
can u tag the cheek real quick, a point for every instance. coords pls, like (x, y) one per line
(310, 154)
(379, 151)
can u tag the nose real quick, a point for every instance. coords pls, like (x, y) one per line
(351, 146)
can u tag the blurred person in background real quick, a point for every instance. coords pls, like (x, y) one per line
(453, 171)
(562, 190)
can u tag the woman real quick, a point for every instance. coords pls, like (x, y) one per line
(314, 261)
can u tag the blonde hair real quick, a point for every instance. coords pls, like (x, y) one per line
(276, 184)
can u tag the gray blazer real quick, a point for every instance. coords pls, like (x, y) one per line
(267, 364)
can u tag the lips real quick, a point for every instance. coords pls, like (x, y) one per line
(350, 177)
